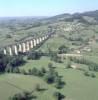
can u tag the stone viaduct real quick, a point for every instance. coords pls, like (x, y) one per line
(24, 46)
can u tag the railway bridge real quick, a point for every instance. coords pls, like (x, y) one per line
(23, 46)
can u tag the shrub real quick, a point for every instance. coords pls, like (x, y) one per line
(16, 70)
(30, 72)
(22, 96)
(50, 78)
(92, 65)
(43, 70)
(93, 75)
(23, 72)
(86, 74)
(8, 36)
(17, 61)
(58, 96)
(68, 63)
(34, 55)
(50, 65)
(62, 49)
(59, 83)
(56, 58)
(37, 88)
(35, 71)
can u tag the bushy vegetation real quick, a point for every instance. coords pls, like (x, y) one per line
(54, 74)
(91, 65)
(59, 96)
(89, 74)
(54, 57)
(34, 55)
(17, 61)
(62, 49)
(4, 60)
(68, 63)
(23, 96)
(8, 63)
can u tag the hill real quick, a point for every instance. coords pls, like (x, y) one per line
(76, 35)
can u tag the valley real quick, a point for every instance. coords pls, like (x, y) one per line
(64, 66)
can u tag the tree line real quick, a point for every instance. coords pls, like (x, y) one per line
(91, 65)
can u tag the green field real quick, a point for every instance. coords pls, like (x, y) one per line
(78, 87)
(75, 36)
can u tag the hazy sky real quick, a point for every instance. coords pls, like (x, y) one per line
(45, 7)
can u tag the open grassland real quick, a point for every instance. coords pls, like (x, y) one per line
(78, 86)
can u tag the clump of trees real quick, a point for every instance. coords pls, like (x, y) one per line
(50, 75)
(9, 64)
(91, 65)
(8, 36)
(17, 61)
(53, 77)
(59, 83)
(4, 60)
(23, 96)
(37, 72)
(58, 96)
(34, 55)
(75, 38)
(89, 74)
(37, 88)
(62, 49)
(54, 57)
(68, 63)
(10, 69)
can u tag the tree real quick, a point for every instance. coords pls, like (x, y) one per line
(86, 74)
(37, 87)
(43, 70)
(30, 72)
(8, 36)
(34, 55)
(93, 75)
(23, 71)
(9, 69)
(22, 96)
(56, 58)
(50, 78)
(93, 67)
(50, 65)
(68, 63)
(36, 72)
(16, 70)
(59, 96)
(59, 83)
(17, 61)
(62, 49)
(4, 60)
(50, 75)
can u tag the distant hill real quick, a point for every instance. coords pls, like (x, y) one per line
(90, 17)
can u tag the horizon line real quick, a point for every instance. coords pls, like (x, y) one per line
(45, 16)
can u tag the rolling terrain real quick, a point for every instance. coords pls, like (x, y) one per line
(77, 32)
